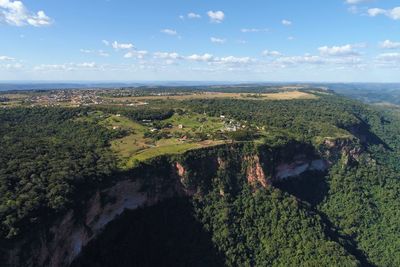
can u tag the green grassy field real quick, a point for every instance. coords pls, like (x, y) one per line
(135, 147)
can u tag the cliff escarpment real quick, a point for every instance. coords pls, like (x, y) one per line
(226, 169)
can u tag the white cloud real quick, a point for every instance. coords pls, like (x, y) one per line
(15, 13)
(373, 12)
(306, 59)
(192, 15)
(391, 13)
(122, 46)
(66, 67)
(217, 40)
(271, 53)
(247, 30)
(286, 22)
(291, 38)
(102, 53)
(202, 58)
(355, 2)
(216, 16)
(89, 65)
(388, 60)
(234, 60)
(105, 42)
(169, 31)
(11, 67)
(389, 57)
(136, 54)
(97, 52)
(86, 51)
(387, 44)
(345, 50)
(229, 60)
(5, 58)
(167, 55)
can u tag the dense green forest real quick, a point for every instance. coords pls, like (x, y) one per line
(46, 157)
(51, 159)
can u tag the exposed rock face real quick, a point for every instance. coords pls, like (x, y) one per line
(255, 173)
(339, 148)
(181, 170)
(287, 170)
(66, 238)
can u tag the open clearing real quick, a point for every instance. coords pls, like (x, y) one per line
(137, 146)
(288, 95)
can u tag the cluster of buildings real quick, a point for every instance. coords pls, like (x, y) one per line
(75, 97)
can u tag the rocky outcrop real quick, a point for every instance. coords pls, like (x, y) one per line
(255, 173)
(60, 244)
(296, 168)
(347, 149)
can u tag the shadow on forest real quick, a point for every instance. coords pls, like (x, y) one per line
(366, 136)
(166, 234)
(312, 187)
(347, 242)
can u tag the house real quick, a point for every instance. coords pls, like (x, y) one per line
(231, 128)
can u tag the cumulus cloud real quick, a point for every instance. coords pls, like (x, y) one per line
(217, 40)
(286, 22)
(121, 46)
(391, 13)
(388, 60)
(201, 58)
(216, 16)
(247, 30)
(6, 58)
(136, 54)
(387, 44)
(169, 31)
(219, 61)
(96, 52)
(306, 59)
(355, 2)
(389, 57)
(167, 55)
(233, 60)
(193, 15)
(269, 53)
(11, 66)
(345, 50)
(15, 13)
(66, 67)
(89, 65)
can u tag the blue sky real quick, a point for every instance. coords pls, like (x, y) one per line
(200, 40)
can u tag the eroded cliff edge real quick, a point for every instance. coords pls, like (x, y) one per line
(192, 175)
